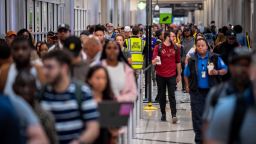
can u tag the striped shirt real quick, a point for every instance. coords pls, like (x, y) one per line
(70, 120)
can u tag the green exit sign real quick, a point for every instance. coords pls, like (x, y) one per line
(165, 18)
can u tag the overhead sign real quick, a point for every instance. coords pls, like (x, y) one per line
(165, 15)
(165, 18)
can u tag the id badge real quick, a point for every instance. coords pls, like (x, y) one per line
(203, 74)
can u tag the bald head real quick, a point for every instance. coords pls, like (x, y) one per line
(92, 47)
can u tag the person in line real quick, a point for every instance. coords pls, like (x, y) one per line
(187, 43)
(234, 117)
(166, 72)
(5, 54)
(98, 79)
(25, 87)
(42, 49)
(10, 36)
(239, 64)
(191, 52)
(220, 37)
(63, 33)
(9, 128)
(52, 38)
(201, 74)
(84, 37)
(26, 34)
(79, 66)
(127, 32)
(21, 54)
(240, 36)
(78, 120)
(121, 74)
(226, 48)
(110, 33)
(29, 127)
(93, 49)
(120, 39)
(99, 32)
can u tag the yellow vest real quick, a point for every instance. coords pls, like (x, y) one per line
(135, 46)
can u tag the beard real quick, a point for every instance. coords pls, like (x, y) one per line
(21, 63)
(56, 80)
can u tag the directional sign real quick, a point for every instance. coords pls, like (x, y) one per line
(165, 18)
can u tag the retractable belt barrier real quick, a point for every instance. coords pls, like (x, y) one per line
(135, 116)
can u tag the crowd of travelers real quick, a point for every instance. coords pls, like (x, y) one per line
(50, 90)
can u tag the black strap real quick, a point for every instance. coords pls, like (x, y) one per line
(161, 47)
(216, 94)
(78, 95)
(237, 119)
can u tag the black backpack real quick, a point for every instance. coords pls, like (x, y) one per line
(160, 48)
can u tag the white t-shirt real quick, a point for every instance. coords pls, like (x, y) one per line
(117, 78)
(8, 90)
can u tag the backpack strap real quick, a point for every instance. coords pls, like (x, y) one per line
(216, 95)
(160, 49)
(4, 75)
(237, 119)
(79, 96)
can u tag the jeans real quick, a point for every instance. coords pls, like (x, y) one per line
(198, 99)
(170, 82)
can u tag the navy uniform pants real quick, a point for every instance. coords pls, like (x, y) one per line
(198, 99)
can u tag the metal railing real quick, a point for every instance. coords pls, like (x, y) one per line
(135, 116)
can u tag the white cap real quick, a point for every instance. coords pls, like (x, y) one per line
(127, 29)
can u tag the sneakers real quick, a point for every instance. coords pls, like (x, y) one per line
(174, 120)
(163, 118)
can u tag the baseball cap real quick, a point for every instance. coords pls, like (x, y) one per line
(63, 26)
(74, 45)
(239, 53)
(51, 34)
(127, 29)
(10, 33)
(231, 33)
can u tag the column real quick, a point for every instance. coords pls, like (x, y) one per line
(69, 14)
(2, 16)
(94, 11)
(254, 26)
(189, 17)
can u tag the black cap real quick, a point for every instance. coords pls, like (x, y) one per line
(85, 32)
(231, 33)
(63, 26)
(51, 34)
(74, 45)
(240, 53)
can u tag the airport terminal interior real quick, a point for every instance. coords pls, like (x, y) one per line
(155, 78)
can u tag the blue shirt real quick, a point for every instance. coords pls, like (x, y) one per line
(203, 82)
(153, 42)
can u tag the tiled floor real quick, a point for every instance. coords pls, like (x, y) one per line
(151, 130)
